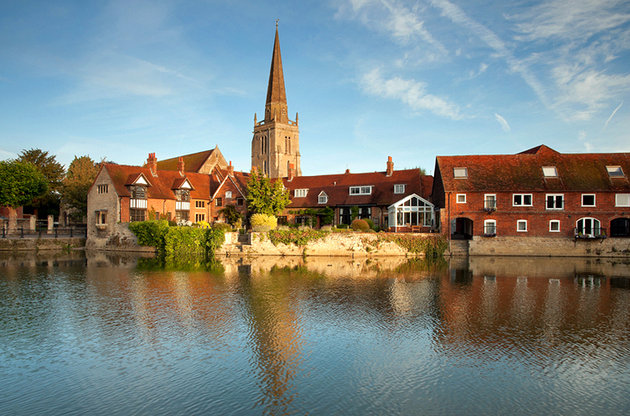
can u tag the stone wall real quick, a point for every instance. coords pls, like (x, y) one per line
(40, 244)
(547, 246)
(119, 239)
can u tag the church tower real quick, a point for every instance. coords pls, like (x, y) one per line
(276, 142)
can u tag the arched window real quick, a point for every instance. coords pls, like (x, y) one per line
(588, 227)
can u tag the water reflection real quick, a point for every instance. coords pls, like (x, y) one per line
(317, 335)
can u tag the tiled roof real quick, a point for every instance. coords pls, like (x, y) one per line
(337, 188)
(192, 162)
(161, 186)
(523, 171)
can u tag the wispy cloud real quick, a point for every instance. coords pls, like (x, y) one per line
(411, 92)
(4, 155)
(503, 122)
(612, 115)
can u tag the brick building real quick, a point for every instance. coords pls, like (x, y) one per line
(538, 192)
(392, 199)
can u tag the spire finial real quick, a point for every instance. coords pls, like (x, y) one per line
(277, 23)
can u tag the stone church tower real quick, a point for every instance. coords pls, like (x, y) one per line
(276, 142)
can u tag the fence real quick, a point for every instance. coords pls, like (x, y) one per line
(41, 230)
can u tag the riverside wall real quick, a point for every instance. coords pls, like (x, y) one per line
(41, 244)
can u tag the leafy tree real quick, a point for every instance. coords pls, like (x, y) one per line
(81, 174)
(53, 171)
(231, 214)
(21, 183)
(264, 197)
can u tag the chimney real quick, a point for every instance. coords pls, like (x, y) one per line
(291, 172)
(230, 169)
(390, 166)
(152, 164)
(347, 171)
(180, 166)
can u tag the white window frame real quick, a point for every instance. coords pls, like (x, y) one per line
(551, 230)
(523, 204)
(518, 222)
(593, 222)
(399, 188)
(594, 200)
(360, 190)
(102, 188)
(457, 201)
(485, 201)
(460, 173)
(322, 198)
(550, 171)
(613, 170)
(619, 203)
(554, 199)
(300, 193)
(485, 224)
(228, 194)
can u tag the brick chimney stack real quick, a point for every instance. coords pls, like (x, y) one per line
(291, 173)
(152, 164)
(390, 166)
(181, 166)
(230, 169)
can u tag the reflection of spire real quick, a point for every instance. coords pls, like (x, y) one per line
(274, 337)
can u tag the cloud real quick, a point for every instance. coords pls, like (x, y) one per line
(504, 124)
(613, 114)
(4, 155)
(409, 92)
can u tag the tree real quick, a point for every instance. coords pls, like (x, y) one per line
(81, 174)
(53, 171)
(264, 197)
(21, 183)
(231, 214)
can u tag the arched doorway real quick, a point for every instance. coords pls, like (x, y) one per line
(462, 229)
(620, 227)
(588, 227)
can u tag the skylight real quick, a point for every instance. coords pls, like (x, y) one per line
(460, 173)
(615, 171)
(550, 171)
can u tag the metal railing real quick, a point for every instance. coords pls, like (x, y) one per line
(43, 232)
(595, 232)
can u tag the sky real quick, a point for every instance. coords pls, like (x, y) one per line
(119, 79)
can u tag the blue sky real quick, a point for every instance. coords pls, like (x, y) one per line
(369, 78)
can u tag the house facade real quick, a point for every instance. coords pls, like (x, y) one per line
(538, 192)
(398, 200)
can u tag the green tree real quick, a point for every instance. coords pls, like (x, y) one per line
(265, 197)
(76, 184)
(231, 214)
(53, 171)
(21, 182)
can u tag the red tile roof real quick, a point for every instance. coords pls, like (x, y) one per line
(192, 162)
(523, 171)
(337, 187)
(161, 186)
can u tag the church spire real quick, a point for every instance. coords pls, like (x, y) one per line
(276, 106)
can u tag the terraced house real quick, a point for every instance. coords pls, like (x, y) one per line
(538, 192)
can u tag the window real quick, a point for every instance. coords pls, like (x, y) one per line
(399, 188)
(554, 226)
(218, 202)
(228, 194)
(550, 171)
(555, 201)
(138, 192)
(522, 200)
(622, 200)
(615, 171)
(588, 227)
(490, 202)
(200, 217)
(322, 198)
(360, 190)
(521, 226)
(240, 202)
(460, 173)
(101, 217)
(490, 227)
(300, 193)
(588, 200)
(461, 198)
(181, 216)
(102, 189)
(200, 204)
(137, 214)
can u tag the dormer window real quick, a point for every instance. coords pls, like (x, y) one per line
(322, 198)
(550, 171)
(399, 188)
(360, 190)
(300, 193)
(460, 173)
(138, 192)
(615, 171)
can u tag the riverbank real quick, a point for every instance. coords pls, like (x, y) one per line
(41, 244)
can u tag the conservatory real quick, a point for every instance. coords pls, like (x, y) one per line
(410, 213)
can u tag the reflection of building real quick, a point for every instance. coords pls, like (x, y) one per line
(538, 192)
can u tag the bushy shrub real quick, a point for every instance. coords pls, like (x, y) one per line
(342, 226)
(150, 233)
(263, 222)
(202, 224)
(370, 223)
(360, 225)
(226, 228)
(184, 242)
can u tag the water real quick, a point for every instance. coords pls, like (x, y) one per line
(118, 335)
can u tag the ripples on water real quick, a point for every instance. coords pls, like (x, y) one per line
(279, 336)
